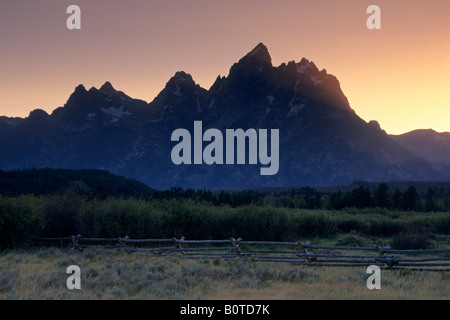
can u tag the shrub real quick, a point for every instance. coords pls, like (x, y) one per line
(443, 225)
(293, 275)
(20, 221)
(7, 279)
(25, 218)
(384, 228)
(61, 215)
(410, 241)
(349, 223)
(352, 241)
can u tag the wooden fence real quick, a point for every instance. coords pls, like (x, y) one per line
(298, 253)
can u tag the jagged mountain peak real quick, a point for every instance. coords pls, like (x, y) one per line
(180, 83)
(79, 93)
(107, 88)
(260, 53)
(80, 89)
(306, 66)
(253, 62)
(320, 142)
(76, 100)
(183, 76)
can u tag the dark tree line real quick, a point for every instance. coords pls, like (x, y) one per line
(381, 197)
(308, 198)
(102, 184)
(233, 199)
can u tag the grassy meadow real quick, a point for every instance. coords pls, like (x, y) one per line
(109, 274)
(28, 271)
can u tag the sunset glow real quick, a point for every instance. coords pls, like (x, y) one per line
(399, 75)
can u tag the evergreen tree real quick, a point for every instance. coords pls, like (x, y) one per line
(410, 200)
(381, 196)
(430, 201)
(397, 200)
(361, 198)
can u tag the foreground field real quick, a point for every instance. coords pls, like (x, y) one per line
(110, 274)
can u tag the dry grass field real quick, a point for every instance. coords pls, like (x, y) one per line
(109, 274)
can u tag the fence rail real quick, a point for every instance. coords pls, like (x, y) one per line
(298, 253)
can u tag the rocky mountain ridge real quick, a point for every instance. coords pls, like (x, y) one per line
(322, 140)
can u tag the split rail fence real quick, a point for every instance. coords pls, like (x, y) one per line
(298, 253)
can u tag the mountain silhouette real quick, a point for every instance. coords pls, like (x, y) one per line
(323, 142)
(432, 146)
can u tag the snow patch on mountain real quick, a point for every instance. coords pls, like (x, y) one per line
(162, 115)
(303, 68)
(295, 109)
(177, 90)
(118, 113)
(255, 51)
(295, 94)
(10, 123)
(315, 80)
(212, 103)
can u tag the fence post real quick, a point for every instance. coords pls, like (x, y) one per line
(177, 244)
(389, 262)
(123, 243)
(236, 246)
(75, 243)
(300, 244)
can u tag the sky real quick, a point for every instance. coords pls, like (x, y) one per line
(398, 75)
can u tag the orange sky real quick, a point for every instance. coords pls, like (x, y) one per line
(399, 75)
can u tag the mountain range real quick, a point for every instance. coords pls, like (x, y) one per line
(322, 141)
(431, 146)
